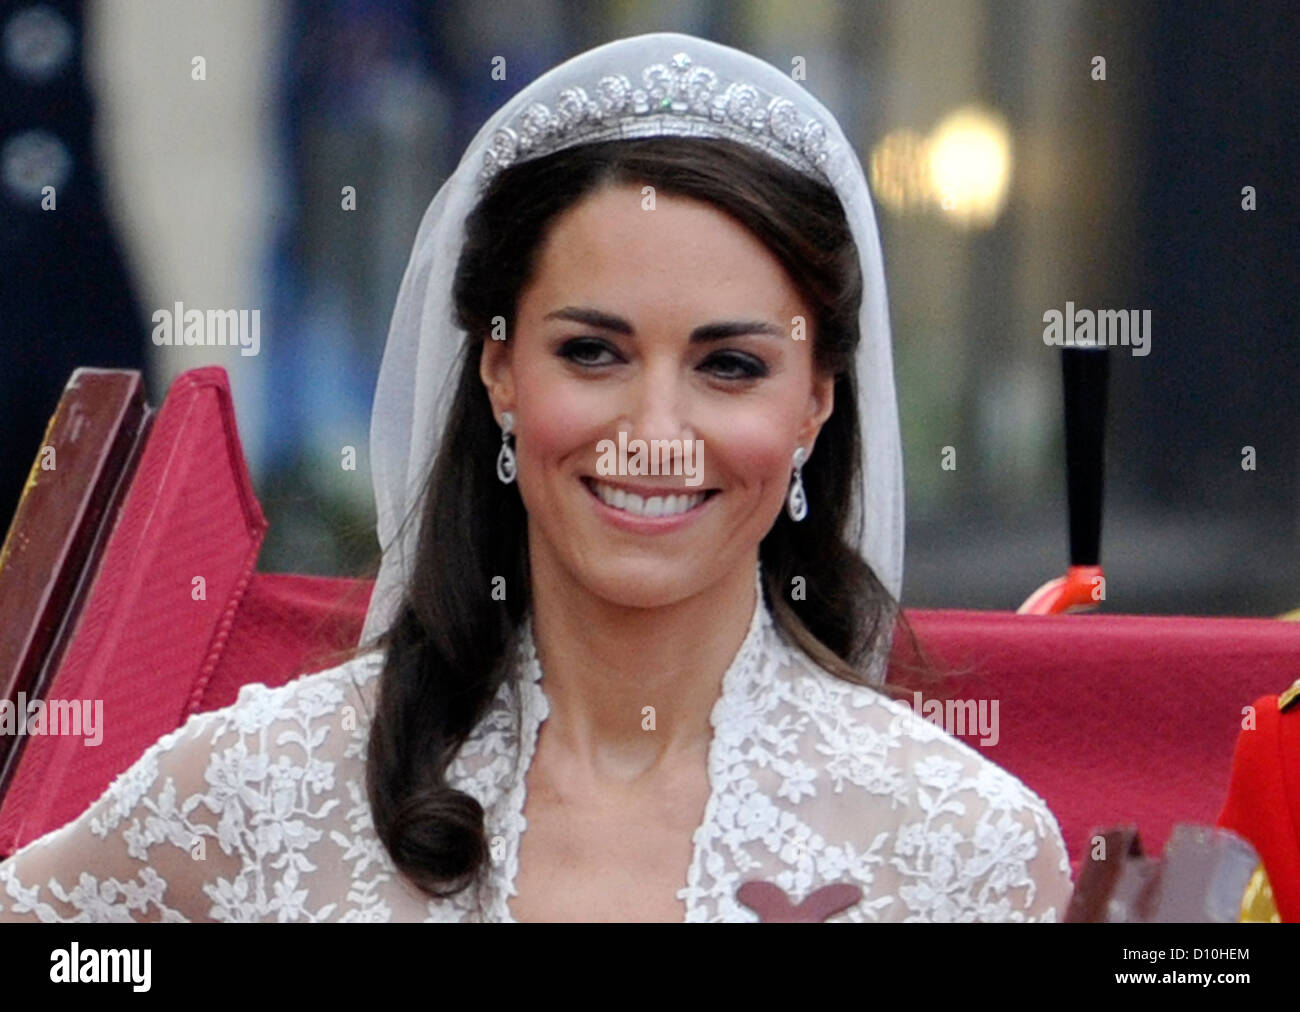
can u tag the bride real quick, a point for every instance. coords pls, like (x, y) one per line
(601, 696)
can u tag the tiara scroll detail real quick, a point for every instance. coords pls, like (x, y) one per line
(679, 98)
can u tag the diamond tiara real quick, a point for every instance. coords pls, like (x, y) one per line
(679, 99)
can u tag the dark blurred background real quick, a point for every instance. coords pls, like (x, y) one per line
(198, 153)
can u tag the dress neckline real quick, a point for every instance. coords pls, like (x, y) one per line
(535, 708)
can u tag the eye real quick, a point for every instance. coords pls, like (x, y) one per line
(589, 351)
(734, 365)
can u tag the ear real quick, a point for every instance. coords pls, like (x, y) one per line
(495, 372)
(821, 402)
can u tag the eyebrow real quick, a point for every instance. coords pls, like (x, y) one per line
(705, 332)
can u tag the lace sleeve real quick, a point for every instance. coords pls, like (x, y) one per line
(224, 819)
(981, 845)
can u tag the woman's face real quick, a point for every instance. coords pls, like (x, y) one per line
(674, 324)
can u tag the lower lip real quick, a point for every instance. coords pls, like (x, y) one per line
(645, 525)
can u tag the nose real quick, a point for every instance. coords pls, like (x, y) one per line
(658, 403)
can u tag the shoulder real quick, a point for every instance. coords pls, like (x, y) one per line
(310, 695)
(315, 715)
(966, 839)
(224, 818)
(261, 722)
(872, 740)
(343, 694)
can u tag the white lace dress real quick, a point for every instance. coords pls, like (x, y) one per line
(258, 812)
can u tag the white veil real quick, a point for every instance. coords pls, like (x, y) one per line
(659, 84)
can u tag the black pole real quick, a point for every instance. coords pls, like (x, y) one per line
(1085, 370)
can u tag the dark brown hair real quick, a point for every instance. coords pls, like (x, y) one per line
(448, 649)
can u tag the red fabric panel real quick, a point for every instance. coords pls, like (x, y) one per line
(288, 625)
(143, 645)
(1114, 719)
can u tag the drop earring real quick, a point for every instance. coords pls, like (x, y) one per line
(796, 502)
(506, 458)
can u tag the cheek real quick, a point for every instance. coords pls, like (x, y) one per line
(752, 444)
(556, 418)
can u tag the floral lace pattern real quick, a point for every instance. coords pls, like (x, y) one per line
(258, 812)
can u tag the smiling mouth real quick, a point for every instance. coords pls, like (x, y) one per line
(642, 504)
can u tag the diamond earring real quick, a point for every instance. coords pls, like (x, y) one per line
(506, 458)
(796, 502)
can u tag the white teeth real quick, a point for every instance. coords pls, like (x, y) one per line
(655, 506)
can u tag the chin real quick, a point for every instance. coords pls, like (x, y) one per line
(646, 582)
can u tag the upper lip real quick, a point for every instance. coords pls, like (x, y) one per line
(648, 489)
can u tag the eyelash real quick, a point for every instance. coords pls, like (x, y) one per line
(743, 366)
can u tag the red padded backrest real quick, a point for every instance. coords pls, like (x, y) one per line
(287, 625)
(162, 605)
(1114, 719)
(153, 647)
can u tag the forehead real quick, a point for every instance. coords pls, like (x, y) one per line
(683, 254)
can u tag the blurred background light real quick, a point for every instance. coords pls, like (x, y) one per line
(970, 166)
(961, 170)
